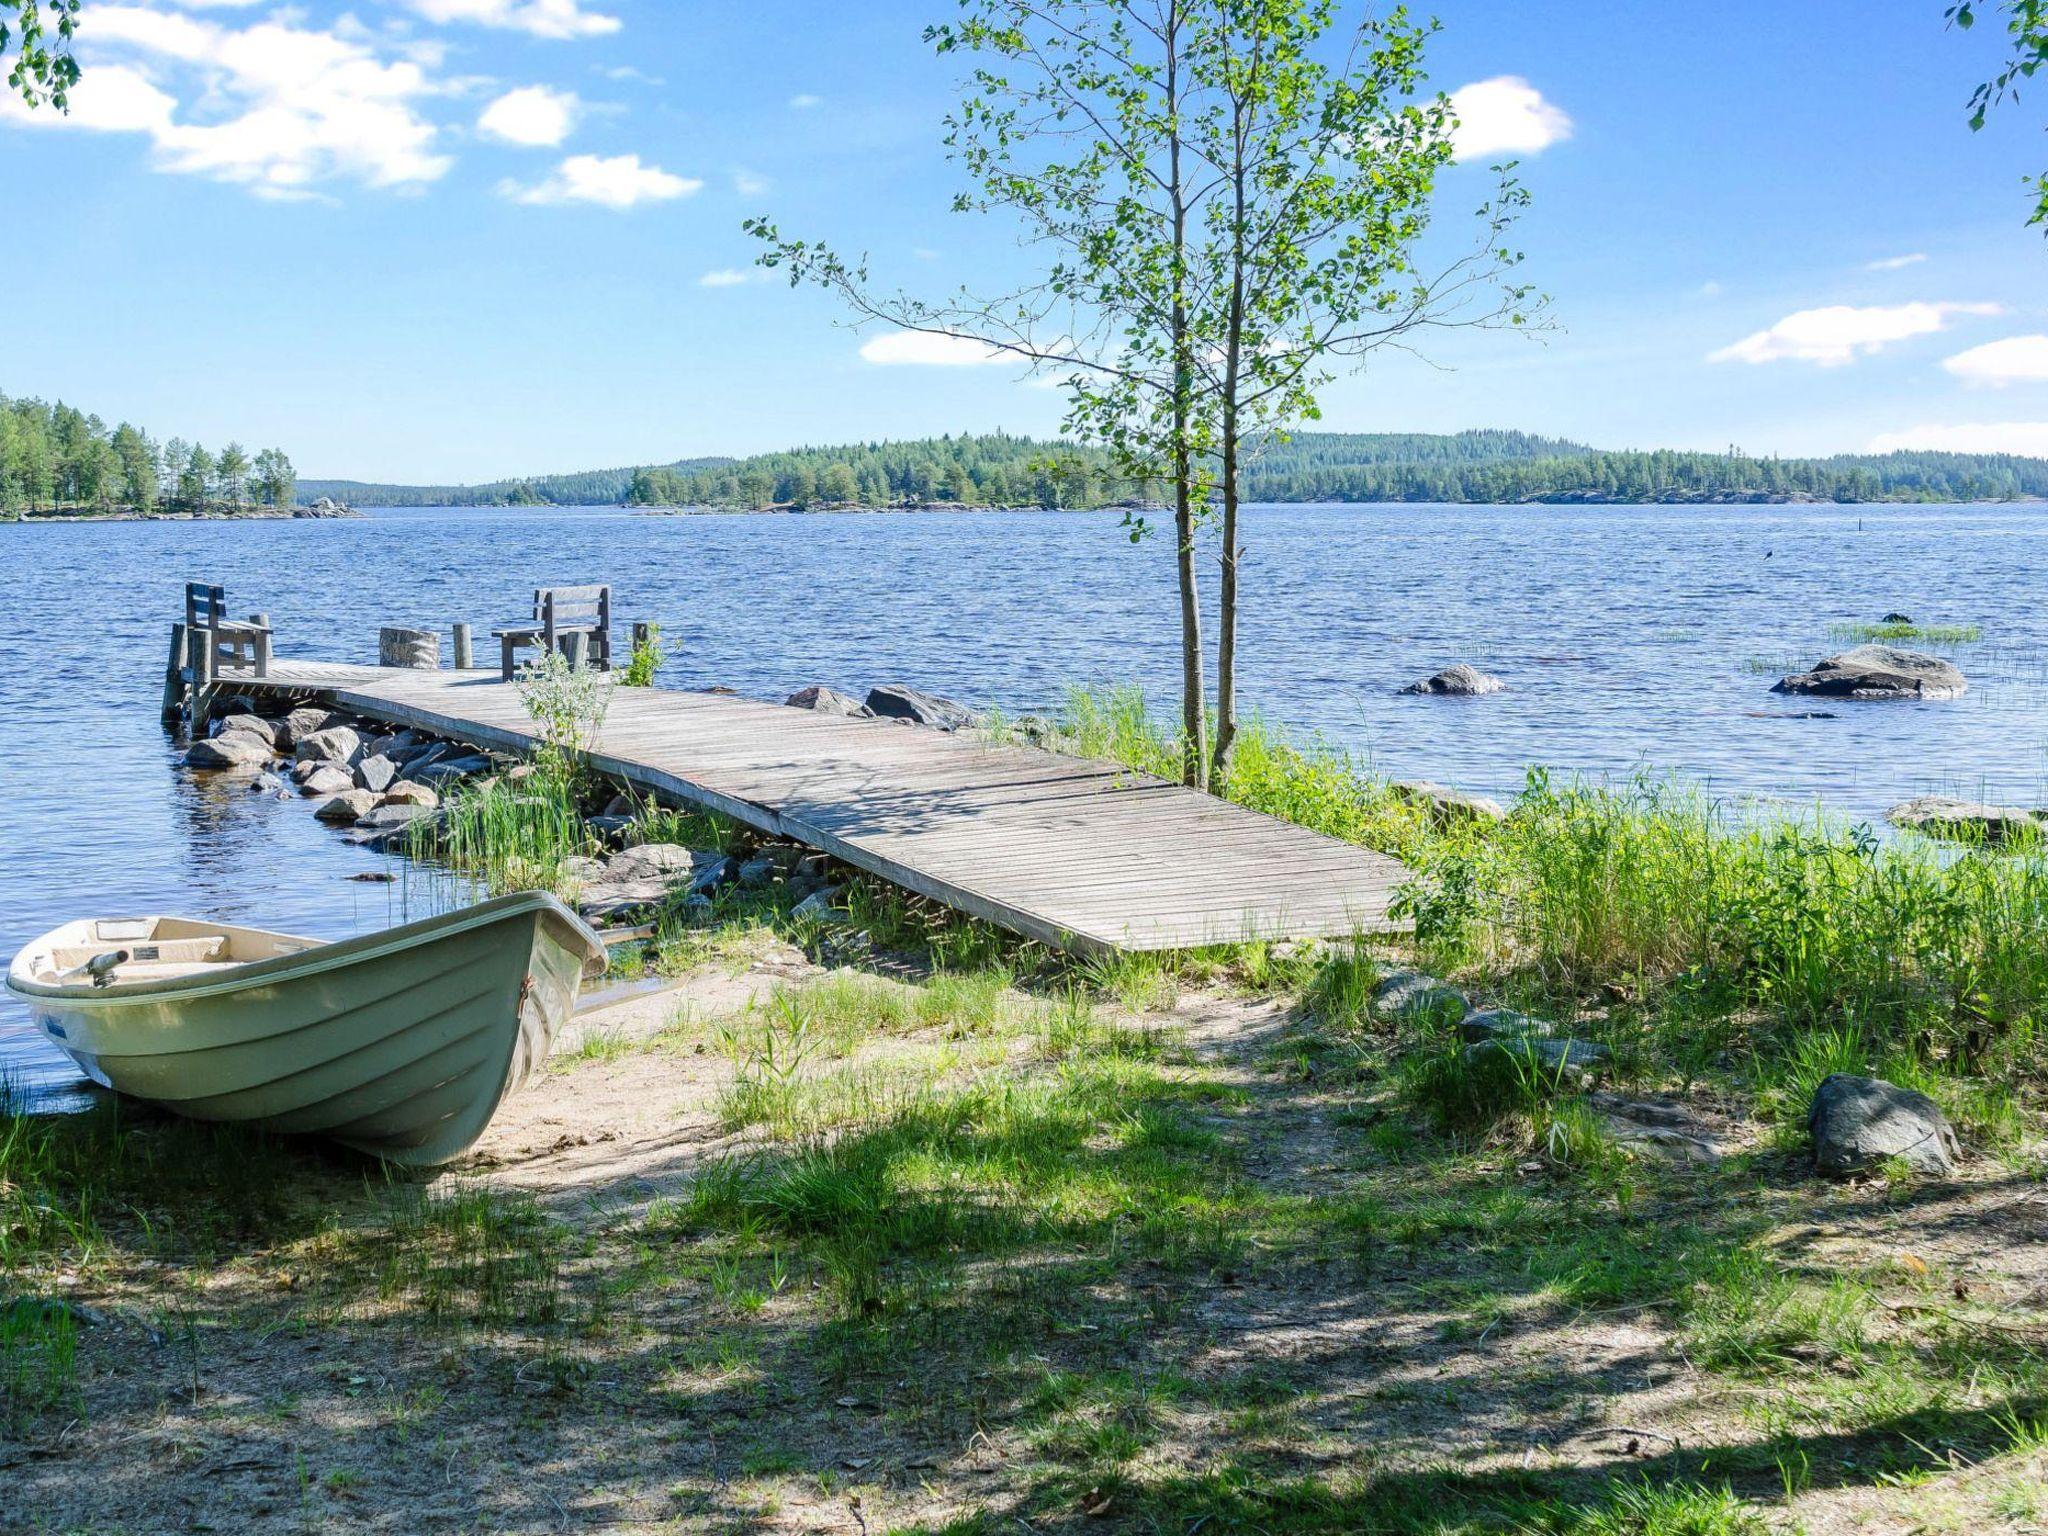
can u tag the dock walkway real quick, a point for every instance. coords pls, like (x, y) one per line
(1081, 854)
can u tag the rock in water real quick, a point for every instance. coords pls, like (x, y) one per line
(303, 722)
(236, 749)
(389, 818)
(265, 731)
(827, 701)
(339, 744)
(347, 806)
(1859, 1122)
(406, 792)
(1448, 806)
(378, 773)
(326, 779)
(1878, 672)
(1965, 820)
(1460, 681)
(896, 702)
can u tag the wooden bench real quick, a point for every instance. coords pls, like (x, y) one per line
(234, 644)
(559, 614)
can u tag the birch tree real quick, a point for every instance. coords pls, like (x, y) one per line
(1319, 159)
(1072, 124)
(39, 32)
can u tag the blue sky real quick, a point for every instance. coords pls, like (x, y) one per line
(455, 239)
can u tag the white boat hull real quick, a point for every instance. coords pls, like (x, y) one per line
(401, 1044)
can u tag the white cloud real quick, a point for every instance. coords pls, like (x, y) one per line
(2022, 437)
(2015, 360)
(533, 115)
(749, 183)
(1894, 263)
(1839, 333)
(1504, 115)
(610, 181)
(1711, 289)
(921, 349)
(806, 101)
(278, 107)
(537, 18)
(728, 277)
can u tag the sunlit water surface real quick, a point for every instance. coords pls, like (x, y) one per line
(1630, 638)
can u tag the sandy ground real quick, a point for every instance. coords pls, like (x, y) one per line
(214, 1401)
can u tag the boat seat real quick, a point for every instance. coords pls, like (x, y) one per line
(144, 952)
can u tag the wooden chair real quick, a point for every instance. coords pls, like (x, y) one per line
(559, 613)
(234, 643)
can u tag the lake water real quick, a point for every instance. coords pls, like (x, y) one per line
(1629, 638)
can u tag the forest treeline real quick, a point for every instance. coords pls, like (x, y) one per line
(997, 469)
(55, 458)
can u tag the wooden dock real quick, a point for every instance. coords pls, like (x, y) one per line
(1081, 854)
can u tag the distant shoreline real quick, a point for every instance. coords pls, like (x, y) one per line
(315, 513)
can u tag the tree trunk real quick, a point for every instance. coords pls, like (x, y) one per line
(1193, 695)
(1226, 581)
(1226, 613)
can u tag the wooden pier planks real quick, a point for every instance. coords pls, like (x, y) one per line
(1078, 853)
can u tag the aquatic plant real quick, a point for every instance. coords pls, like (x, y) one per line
(1906, 629)
(513, 834)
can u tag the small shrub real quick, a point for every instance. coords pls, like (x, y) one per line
(645, 660)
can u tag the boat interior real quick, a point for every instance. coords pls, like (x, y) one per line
(120, 951)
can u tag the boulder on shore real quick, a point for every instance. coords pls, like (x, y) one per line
(1859, 1122)
(657, 861)
(235, 749)
(406, 792)
(1878, 672)
(1459, 681)
(1447, 806)
(1966, 820)
(1417, 995)
(894, 701)
(823, 700)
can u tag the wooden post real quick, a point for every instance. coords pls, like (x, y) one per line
(202, 685)
(643, 633)
(460, 634)
(576, 645)
(262, 645)
(174, 673)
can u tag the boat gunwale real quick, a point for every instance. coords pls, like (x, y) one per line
(309, 962)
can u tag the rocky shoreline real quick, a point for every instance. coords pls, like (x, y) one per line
(322, 507)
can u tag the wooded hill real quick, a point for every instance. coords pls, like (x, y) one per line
(55, 458)
(997, 469)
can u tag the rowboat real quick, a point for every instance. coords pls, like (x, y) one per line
(401, 1044)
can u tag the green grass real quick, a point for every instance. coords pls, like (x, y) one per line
(38, 1359)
